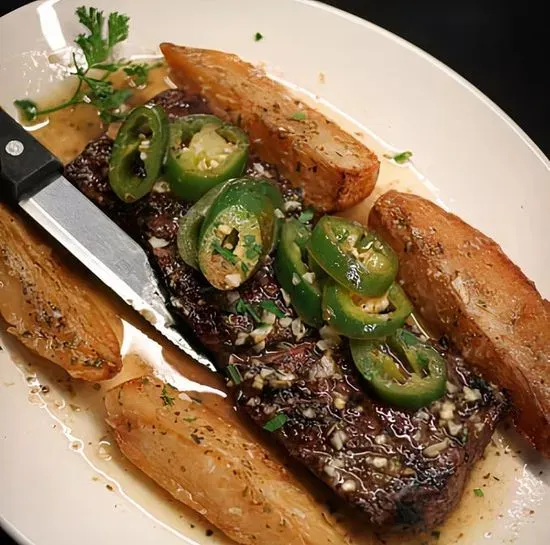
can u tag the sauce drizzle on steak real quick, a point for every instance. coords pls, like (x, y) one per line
(402, 468)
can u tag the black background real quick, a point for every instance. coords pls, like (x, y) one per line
(501, 47)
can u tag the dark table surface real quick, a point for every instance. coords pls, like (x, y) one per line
(500, 47)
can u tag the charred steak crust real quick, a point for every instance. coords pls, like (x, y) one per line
(402, 468)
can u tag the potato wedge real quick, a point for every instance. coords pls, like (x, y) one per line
(335, 170)
(466, 288)
(52, 310)
(212, 467)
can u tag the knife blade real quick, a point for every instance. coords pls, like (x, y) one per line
(32, 177)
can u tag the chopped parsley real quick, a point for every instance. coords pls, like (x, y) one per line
(276, 422)
(234, 374)
(228, 255)
(306, 216)
(270, 306)
(166, 399)
(241, 307)
(253, 249)
(244, 308)
(258, 36)
(436, 534)
(253, 313)
(97, 47)
(400, 158)
(298, 116)
(478, 492)
(422, 358)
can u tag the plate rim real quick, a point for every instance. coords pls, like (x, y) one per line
(440, 65)
(461, 80)
(15, 533)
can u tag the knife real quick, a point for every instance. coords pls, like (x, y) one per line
(33, 178)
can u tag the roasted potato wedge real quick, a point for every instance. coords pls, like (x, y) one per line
(206, 463)
(466, 288)
(335, 170)
(52, 310)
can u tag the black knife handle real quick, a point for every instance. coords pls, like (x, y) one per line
(26, 166)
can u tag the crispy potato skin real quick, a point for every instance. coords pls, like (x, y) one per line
(52, 311)
(466, 288)
(207, 464)
(335, 170)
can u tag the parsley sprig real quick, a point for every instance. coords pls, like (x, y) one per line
(97, 47)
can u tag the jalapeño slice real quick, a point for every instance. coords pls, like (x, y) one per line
(403, 370)
(138, 153)
(237, 233)
(352, 256)
(360, 317)
(203, 152)
(190, 226)
(295, 275)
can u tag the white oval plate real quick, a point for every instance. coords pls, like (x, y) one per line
(482, 165)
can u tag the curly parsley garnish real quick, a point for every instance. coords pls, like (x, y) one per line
(97, 47)
(139, 72)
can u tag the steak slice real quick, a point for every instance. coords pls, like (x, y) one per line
(403, 468)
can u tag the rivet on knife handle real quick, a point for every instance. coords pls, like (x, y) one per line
(25, 165)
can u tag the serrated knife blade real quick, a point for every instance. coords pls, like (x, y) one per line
(107, 251)
(32, 177)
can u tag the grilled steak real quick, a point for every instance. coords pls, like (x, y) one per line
(402, 468)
